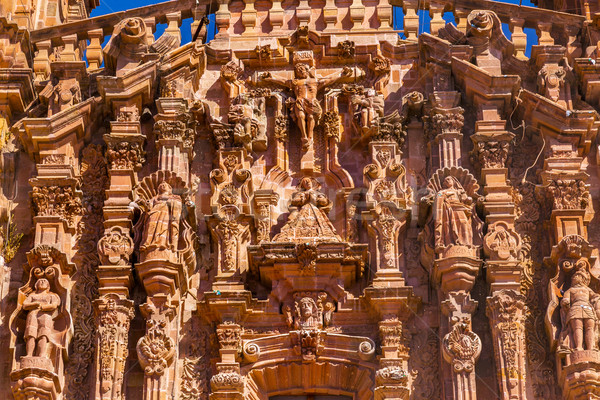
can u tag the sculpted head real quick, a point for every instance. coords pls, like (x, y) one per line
(42, 285)
(448, 182)
(580, 277)
(302, 71)
(165, 188)
(307, 183)
(307, 307)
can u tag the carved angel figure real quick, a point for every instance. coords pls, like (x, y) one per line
(367, 108)
(42, 305)
(306, 85)
(453, 212)
(579, 314)
(161, 230)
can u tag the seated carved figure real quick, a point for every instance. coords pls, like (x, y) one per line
(308, 221)
(42, 305)
(579, 318)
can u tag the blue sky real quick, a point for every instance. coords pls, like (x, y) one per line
(110, 6)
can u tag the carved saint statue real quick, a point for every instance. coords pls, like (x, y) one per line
(367, 108)
(42, 305)
(578, 314)
(161, 230)
(453, 208)
(305, 85)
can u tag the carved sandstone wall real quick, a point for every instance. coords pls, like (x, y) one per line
(311, 204)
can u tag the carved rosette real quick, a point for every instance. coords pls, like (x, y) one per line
(506, 311)
(155, 349)
(114, 316)
(115, 247)
(461, 348)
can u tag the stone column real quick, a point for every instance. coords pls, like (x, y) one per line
(125, 156)
(451, 243)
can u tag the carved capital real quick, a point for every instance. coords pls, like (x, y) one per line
(229, 336)
(125, 152)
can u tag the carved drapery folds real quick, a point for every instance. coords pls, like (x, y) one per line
(308, 221)
(164, 233)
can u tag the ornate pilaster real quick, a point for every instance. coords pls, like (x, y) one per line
(227, 383)
(157, 348)
(264, 201)
(460, 346)
(232, 188)
(506, 311)
(114, 315)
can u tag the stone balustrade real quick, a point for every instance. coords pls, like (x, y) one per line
(84, 39)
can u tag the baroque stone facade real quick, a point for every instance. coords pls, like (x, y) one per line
(310, 204)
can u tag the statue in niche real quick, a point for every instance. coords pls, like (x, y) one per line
(308, 221)
(307, 109)
(42, 305)
(453, 212)
(161, 229)
(579, 313)
(367, 107)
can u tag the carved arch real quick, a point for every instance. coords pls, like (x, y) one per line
(321, 377)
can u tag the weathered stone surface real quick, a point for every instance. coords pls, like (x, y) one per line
(307, 205)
